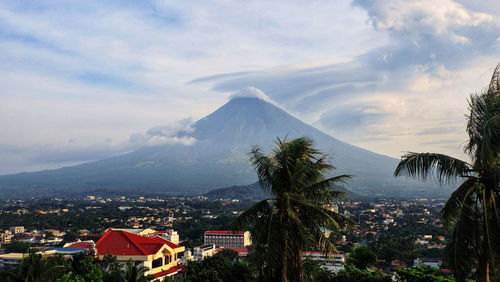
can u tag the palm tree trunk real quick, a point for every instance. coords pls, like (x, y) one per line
(484, 258)
(484, 268)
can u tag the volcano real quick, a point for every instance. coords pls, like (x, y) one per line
(218, 157)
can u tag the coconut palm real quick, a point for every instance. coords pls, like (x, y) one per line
(135, 274)
(472, 213)
(34, 267)
(294, 218)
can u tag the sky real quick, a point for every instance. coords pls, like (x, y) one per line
(85, 80)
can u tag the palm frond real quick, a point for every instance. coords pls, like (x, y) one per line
(441, 167)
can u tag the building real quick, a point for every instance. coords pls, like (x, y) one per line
(5, 238)
(333, 261)
(171, 235)
(16, 229)
(88, 245)
(158, 255)
(228, 239)
(333, 208)
(432, 262)
(204, 251)
(147, 231)
(11, 259)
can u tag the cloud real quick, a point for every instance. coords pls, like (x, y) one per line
(174, 133)
(17, 158)
(93, 70)
(407, 89)
(415, 20)
(251, 92)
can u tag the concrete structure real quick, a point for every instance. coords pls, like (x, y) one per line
(16, 229)
(11, 259)
(432, 262)
(204, 251)
(332, 261)
(171, 235)
(147, 231)
(158, 255)
(228, 239)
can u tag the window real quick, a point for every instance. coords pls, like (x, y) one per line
(157, 262)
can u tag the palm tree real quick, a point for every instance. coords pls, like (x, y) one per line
(472, 212)
(34, 267)
(135, 274)
(294, 218)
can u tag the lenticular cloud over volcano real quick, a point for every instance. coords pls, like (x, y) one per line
(251, 92)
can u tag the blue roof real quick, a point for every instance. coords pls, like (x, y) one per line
(67, 250)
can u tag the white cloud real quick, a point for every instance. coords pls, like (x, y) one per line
(251, 92)
(91, 71)
(415, 19)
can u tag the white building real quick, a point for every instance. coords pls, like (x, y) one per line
(432, 262)
(201, 252)
(171, 235)
(16, 229)
(331, 261)
(11, 259)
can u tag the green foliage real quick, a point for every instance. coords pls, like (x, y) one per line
(17, 247)
(472, 213)
(422, 274)
(291, 221)
(70, 277)
(362, 257)
(34, 268)
(80, 268)
(218, 268)
(352, 273)
(135, 274)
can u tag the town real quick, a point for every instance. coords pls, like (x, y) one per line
(163, 234)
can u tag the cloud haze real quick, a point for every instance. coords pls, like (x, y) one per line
(83, 78)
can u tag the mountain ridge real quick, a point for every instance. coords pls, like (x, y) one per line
(218, 158)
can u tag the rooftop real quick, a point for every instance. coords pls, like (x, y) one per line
(119, 242)
(217, 232)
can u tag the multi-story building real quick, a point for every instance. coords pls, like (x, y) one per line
(11, 259)
(201, 252)
(228, 239)
(332, 261)
(158, 255)
(171, 235)
(16, 229)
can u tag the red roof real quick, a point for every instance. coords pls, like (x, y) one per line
(241, 251)
(172, 270)
(122, 243)
(214, 232)
(81, 245)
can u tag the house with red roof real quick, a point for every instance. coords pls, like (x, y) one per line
(159, 256)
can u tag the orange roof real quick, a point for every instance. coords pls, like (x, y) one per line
(122, 243)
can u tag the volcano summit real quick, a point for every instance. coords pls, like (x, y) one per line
(217, 157)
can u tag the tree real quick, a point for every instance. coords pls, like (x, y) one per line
(422, 274)
(362, 257)
(218, 268)
(290, 222)
(135, 274)
(471, 213)
(34, 268)
(352, 273)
